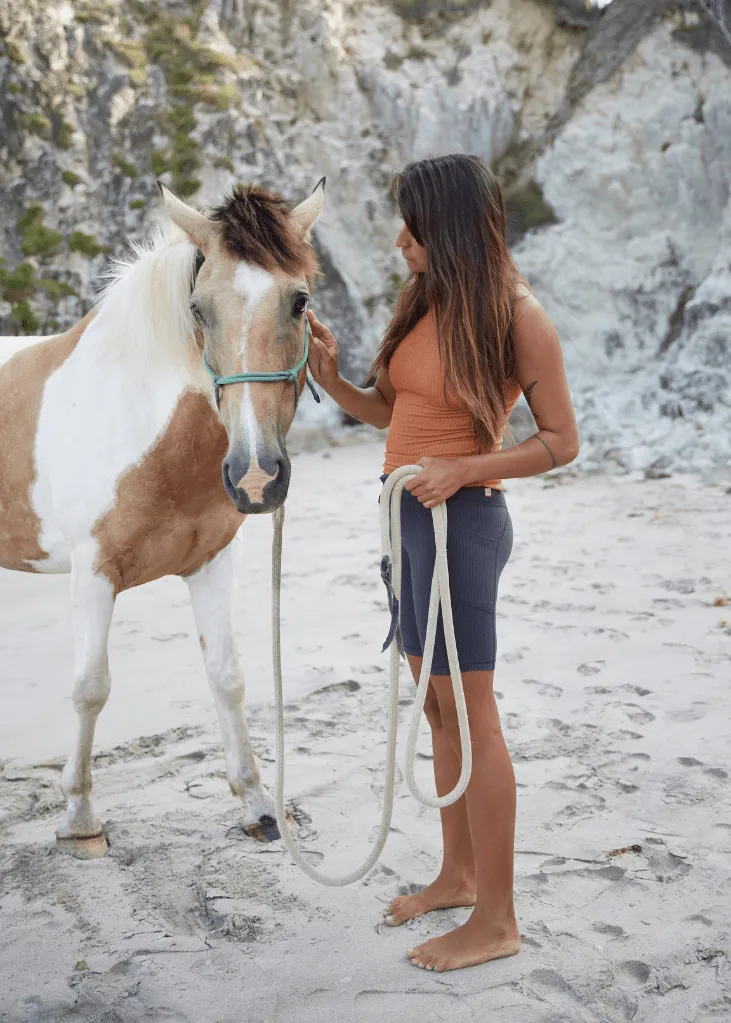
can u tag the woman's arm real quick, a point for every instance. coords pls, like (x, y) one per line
(372, 405)
(540, 371)
(541, 375)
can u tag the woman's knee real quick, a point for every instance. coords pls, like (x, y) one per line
(483, 717)
(431, 708)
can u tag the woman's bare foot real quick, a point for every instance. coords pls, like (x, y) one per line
(473, 943)
(440, 894)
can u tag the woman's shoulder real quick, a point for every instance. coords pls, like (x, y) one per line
(522, 296)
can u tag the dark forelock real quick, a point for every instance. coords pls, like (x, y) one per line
(254, 228)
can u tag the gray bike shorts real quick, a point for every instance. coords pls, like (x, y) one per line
(479, 543)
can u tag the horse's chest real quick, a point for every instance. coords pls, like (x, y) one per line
(171, 513)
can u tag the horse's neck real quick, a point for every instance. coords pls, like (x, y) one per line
(10, 346)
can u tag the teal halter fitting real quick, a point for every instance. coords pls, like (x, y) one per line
(270, 377)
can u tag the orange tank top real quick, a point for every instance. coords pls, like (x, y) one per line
(423, 422)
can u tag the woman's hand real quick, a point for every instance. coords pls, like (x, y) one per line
(323, 357)
(438, 480)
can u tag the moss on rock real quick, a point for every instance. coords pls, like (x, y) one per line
(128, 51)
(86, 243)
(38, 124)
(19, 283)
(187, 186)
(137, 204)
(127, 168)
(138, 77)
(24, 315)
(12, 51)
(38, 240)
(56, 289)
(526, 208)
(70, 178)
(64, 135)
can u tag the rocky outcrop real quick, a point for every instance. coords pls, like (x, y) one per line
(610, 131)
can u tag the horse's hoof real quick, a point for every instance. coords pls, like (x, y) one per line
(263, 830)
(91, 848)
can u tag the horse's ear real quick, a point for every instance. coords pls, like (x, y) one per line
(304, 216)
(198, 227)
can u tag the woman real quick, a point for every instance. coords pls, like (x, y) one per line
(466, 338)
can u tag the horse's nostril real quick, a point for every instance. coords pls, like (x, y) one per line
(227, 474)
(281, 464)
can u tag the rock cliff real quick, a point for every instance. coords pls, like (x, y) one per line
(610, 130)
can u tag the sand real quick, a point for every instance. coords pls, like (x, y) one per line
(614, 675)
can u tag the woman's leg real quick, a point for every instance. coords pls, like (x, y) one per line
(491, 931)
(456, 884)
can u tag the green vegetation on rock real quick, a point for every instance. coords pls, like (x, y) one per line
(18, 287)
(38, 124)
(138, 77)
(128, 51)
(24, 315)
(137, 204)
(38, 240)
(93, 11)
(56, 289)
(192, 75)
(17, 284)
(159, 163)
(64, 135)
(127, 168)
(187, 186)
(86, 243)
(69, 178)
(527, 208)
(13, 52)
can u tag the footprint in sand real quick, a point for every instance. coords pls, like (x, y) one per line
(634, 971)
(544, 688)
(634, 713)
(591, 667)
(612, 930)
(714, 772)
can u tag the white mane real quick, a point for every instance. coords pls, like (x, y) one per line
(144, 306)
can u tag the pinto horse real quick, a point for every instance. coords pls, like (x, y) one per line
(121, 463)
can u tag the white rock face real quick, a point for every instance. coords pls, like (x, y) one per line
(634, 271)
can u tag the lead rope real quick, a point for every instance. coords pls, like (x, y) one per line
(391, 547)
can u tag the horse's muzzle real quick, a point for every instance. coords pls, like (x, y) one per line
(259, 488)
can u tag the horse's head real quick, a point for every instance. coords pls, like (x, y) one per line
(249, 300)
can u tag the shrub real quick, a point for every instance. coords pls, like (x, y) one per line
(86, 243)
(38, 240)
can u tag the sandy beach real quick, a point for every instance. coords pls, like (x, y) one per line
(614, 682)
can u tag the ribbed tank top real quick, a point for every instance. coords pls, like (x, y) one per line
(423, 422)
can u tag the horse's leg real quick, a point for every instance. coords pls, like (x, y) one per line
(211, 594)
(92, 604)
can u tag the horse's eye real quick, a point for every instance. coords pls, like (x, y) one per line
(196, 311)
(300, 304)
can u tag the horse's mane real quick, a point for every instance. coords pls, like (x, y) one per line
(144, 299)
(254, 228)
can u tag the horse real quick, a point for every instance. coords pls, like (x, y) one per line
(121, 462)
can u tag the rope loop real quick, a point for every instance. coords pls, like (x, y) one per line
(439, 595)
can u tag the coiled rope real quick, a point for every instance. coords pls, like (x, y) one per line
(391, 548)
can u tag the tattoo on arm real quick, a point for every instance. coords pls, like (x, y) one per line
(553, 460)
(528, 391)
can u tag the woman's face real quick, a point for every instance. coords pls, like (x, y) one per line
(413, 253)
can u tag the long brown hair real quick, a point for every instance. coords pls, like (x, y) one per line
(453, 206)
